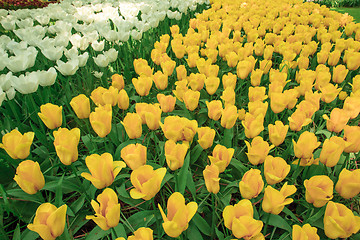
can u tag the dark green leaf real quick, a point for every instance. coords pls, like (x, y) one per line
(201, 224)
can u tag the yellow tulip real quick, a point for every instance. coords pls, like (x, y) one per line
(212, 83)
(49, 221)
(297, 120)
(352, 136)
(215, 109)
(277, 132)
(175, 154)
(332, 150)
(117, 81)
(243, 69)
(229, 80)
(353, 60)
(337, 121)
(150, 114)
(329, 92)
(29, 177)
(206, 137)
(142, 67)
(196, 81)
(146, 182)
(81, 106)
(305, 145)
(97, 96)
(161, 80)
(334, 57)
(319, 190)
(191, 99)
(257, 150)
(100, 120)
(229, 116)
(339, 74)
(181, 72)
(103, 169)
(305, 232)
(275, 169)
(142, 233)
(123, 100)
(132, 125)
(256, 76)
(51, 115)
(66, 144)
(16, 144)
(348, 185)
(168, 67)
(258, 107)
(167, 103)
(253, 125)
(228, 96)
(274, 201)
(257, 93)
(179, 129)
(221, 157)
(107, 210)
(134, 155)
(251, 184)
(142, 85)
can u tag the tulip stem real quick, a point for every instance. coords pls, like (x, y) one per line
(126, 222)
(157, 222)
(114, 232)
(213, 204)
(267, 223)
(81, 184)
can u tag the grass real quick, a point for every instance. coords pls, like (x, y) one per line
(355, 12)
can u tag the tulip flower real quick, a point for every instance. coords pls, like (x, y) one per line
(100, 120)
(278, 101)
(212, 83)
(132, 125)
(303, 62)
(352, 106)
(142, 67)
(229, 116)
(179, 129)
(221, 157)
(107, 210)
(134, 155)
(81, 106)
(257, 93)
(142, 85)
(243, 69)
(319, 190)
(167, 103)
(51, 115)
(334, 57)
(49, 221)
(110, 96)
(337, 121)
(257, 150)
(275, 169)
(196, 81)
(97, 96)
(251, 184)
(297, 120)
(181, 72)
(348, 185)
(103, 169)
(305, 232)
(274, 201)
(168, 67)
(232, 59)
(253, 125)
(175, 154)
(142, 233)
(265, 65)
(214, 109)
(150, 114)
(16, 144)
(29, 177)
(146, 182)
(161, 80)
(211, 177)
(352, 136)
(329, 92)
(277, 132)
(239, 219)
(339, 74)
(206, 137)
(117, 81)
(322, 57)
(66, 144)
(258, 107)
(332, 150)
(123, 100)
(339, 221)
(191, 99)
(228, 96)
(256, 76)
(241, 114)
(305, 145)
(229, 80)
(353, 60)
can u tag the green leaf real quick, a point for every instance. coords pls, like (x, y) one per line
(16, 235)
(58, 192)
(193, 232)
(191, 185)
(201, 224)
(143, 218)
(219, 234)
(195, 153)
(291, 214)
(97, 233)
(182, 175)
(277, 221)
(120, 230)
(238, 165)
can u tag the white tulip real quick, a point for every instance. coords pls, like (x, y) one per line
(48, 77)
(6, 81)
(101, 60)
(3, 13)
(26, 84)
(28, 22)
(10, 94)
(53, 53)
(72, 53)
(97, 74)
(111, 54)
(98, 46)
(2, 96)
(42, 19)
(68, 68)
(8, 23)
(83, 59)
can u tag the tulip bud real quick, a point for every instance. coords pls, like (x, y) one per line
(348, 185)
(132, 125)
(274, 201)
(146, 182)
(51, 115)
(329, 92)
(278, 101)
(277, 132)
(211, 177)
(253, 125)
(97, 96)
(258, 107)
(181, 72)
(228, 96)
(257, 150)
(339, 74)
(256, 76)
(334, 57)
(214, 109)
(322, 57)
(134, 155)
(196, 81)
(178, 216)
(275, 169)
(319, 190)
(123, 100)
(100, 120)
(221, 157)
(150, 114)
(175, 154)
(29, 177)
(305, 145)
(66, 144)
(257, 93)
(353, 60)
(229, 80)
(16, 144)
(332, 150)
(117, 81)
(49, 221)
(229, 116)
(265, 65)
(168, 67)
(206, 137)
(103, 169)
(305, 232)
(212, 83)
(297, 120)
(251, 184)
(191, 99)
(161, 80)
(81, 106)
(167, 103)
(303, 62)
(243, 69)
(142, 85)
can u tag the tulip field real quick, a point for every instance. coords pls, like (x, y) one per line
(185, 119)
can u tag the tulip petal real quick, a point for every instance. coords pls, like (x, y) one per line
(135, 194)
(42, 230)
(100, 221)
(172, 229)
(113, 216)
(56, 221)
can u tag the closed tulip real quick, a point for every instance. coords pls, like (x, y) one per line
(229, 116)
(332, 150)
(49, 221)
(167, 103)
(352, 136)
(339, 74)
(329, 92)
(168, 67)
(257, 150)
(142, 85)
(334, 57)
(110, 96)
(81, 106)
(228, 96)
(221, 157)
(239, 219)
(132, 125)
(229, 80)
(206, 137)
(339, 221)
(256, 76)
(100, 120)
(274, 201)
(175, 154)
(117, 81)
(319, 190)
(258, 107)
(298, 120)
(306, 232)
(353, 60)
(337, 121)
(191, 99)
(51, 115)
(277, 132)
(275, 169)
(66, 144)
(243, 69)
(196, 81)
(107, 210)
(251, 184)
(97, 96)
(253, 125)
(181, 72)
(161, 80)
(123, 100)
(151, 115)
(134, 155)
(352, 106)
(29, 177)
(103, 169)
(179, 129)
(179, 215)
(348, 185)
(278, 101)
(215, 109)
(322, 57)
(16, 144)
(211, 177)
(257, 93)
(305, 145)
(212, 83)
(146, 182)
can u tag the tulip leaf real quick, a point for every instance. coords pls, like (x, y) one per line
(228, 136)
(320, 213)
(19, 193)
(193, 232)
(58, 192)
(291, 214)
(191, 185)
(219, 234)
(201, 224)
(16, 235)
(120, 230)
(143, 218)
(29, 235)
(97, 233)
(277, 221)
(182, 175)
(196, 153)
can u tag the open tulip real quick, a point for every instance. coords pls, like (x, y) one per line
(251, 184)
(297, 120)
(175, 154)
(339, 221)
(51, 115)
(257, 150)
(228, 96)
(117, 81)
(142, 233)
(339, 74)
(29, 177)
(319, 190)
(275, 169)
(146, 181)
(229, 116)
(256, 76)
(229, 80)
(16, 144)
(258, 107)
(243, 69)
(214, 109)
(167, 103)
(332, 150)
(257, 93)
(191, 99)
(103, 169)
(132, 124)
(49, 221)
(211, 177)
(205, 137)
(305, 232)
(277, 132)
(274, 201)
(100, 120)
(134, 155)
(221, 157)
(97, 96)
(179, 215)
(337, 121)
(179, 129)
(66, 144)
(161, 80)
(348, 185)
(305, 145)
(81, 106)
(107, 210)
(329, 92)
(142, 85)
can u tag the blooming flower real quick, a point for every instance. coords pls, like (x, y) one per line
(29, 177)
(16, 144)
